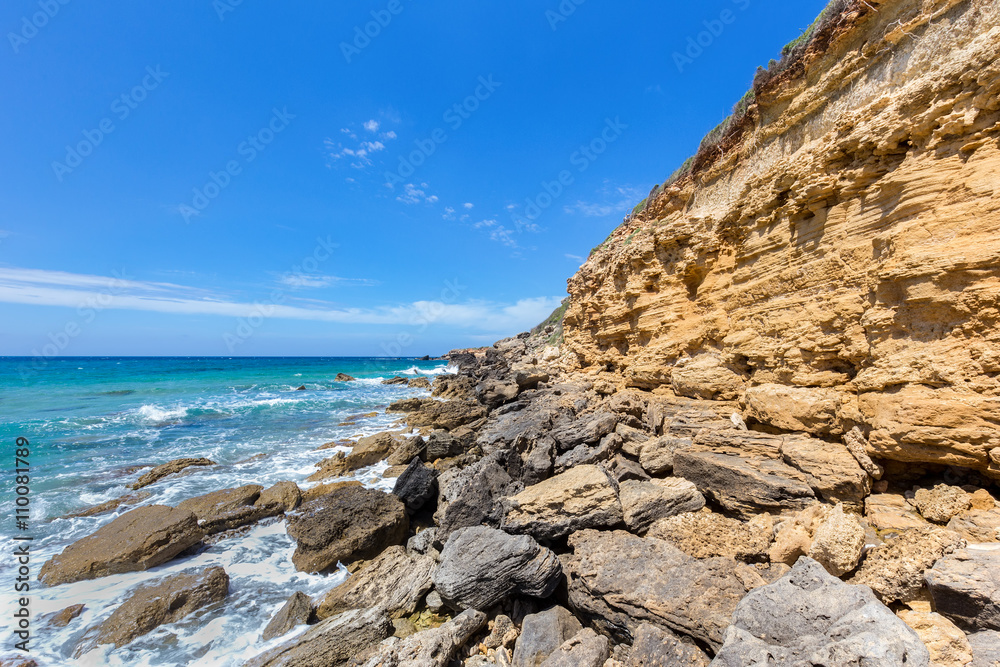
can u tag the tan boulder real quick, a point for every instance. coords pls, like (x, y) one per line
(895, 570)
(806, 409)
(942, 502)
(581, 497)
(887, 512)
(946, 642)
(366, 451)
(977, 526)
(705, 376)
(395, 581)
(707, 535)
(838, 542)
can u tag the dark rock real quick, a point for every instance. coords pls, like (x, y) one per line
(470, 497)
(295, 612)
(423, 542)
(623, 469)
(396, 380)
(301, 388)
(62, 618)
(493, 393)
(165, 601)
(349, 524)
(416, 485)
(230, 508)
(169, 468)
(330, 643)
(344, 377)
(657, 647)
(965, 587)
(809, 617)
(619, 581)
(436, 647)
(443, 445)
(586, 649)
(584, 429)
(137, 540)
(985, 648)
(395, 581)
(481, 566)
(585, 454)
(643, 503)
(405, 450)
(542, 634)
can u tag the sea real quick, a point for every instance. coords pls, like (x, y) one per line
(91, 422)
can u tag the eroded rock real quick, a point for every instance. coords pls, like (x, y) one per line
(582, 497)
(331, 642)
(643, 503)
(965, 586)
(169, 468)
(296, 611)
(395, 581)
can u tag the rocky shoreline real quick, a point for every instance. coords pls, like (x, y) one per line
(543, 516)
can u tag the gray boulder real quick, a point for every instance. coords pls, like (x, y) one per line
(643, 503)
(470, 497)
(583, 429)
(330, 643)
(542, 634)
(657, 647)
(586, 649)
(481, 566)
(809, 617)
(966, 589)
(985, 648)
(394, 581)
(582, 497)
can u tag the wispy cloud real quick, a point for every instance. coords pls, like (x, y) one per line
(372, 125)
(71, 290)
(467, 205)
(414, 195)
(358, 153)
(310, 281)
(612, 200)
(575, 258)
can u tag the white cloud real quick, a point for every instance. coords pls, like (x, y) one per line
(372, 126)
(56, 288)
(467, 205)
(301, 281)
(613, 200)
(575, 258)
(449, 213)
(358, 156)
(389, 135)
(414, 195)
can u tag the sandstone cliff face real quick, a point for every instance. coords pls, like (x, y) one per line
(840, 264)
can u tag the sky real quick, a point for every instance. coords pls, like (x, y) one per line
(387, 178)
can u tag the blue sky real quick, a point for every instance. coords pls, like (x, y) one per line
(238, 178)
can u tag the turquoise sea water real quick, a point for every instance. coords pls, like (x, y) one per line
(91, 421)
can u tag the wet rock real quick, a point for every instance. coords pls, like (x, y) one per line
(396, 380)
(324, 489)
(331, 642)
(895, 570)
(585, 649)
(169, 468)
(469, 497)
(645, 502)
(366, 451)
(232, 508)
(105, 507)
(165, 601)
(301, 387)
(583, 429)
(416, 485)
(395, 581)
(618, 581)
(349, 524)
(344, 377)
(435, 647)
(965, 586)
(542, 634)
(942, 502)
(946, 644)
(706, 535)
(481, 566)
(63, 617)
(583, 497)
(657, 647)
(284, 496)
(137, 540)
(810, 617)
(420, 382)
(985, 648)
(295, 612)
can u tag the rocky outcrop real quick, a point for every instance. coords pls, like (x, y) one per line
(656, 647)
(965, 587)
(137, 540)
(349, 524)
(165, 601)
(169, 468)
(231, 508)
(110, 505)
(812, 264)
(810, 617)
(582, 497)
(366, 451)
(332, 642)
(481, 566)
(395, 581)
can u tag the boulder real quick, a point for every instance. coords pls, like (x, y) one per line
(231, 508)
(469, 497)
(945, 642)
(705, 376)
(889, 512)
(895, 570)
(657, 454)
(405, 450)
(137, 540)
(965, 586)
(830, 469)
(285, 496)
(583, 497)
(808, 409)
(442, 445)
(420, 382)
(542, 634)
(977, 526)
(332, 642)
(585, 454)
(494, 393)
(169, 468)
(396, 380)
(416, 485)
(585, 649)
(481, 566)
(295, 612)
(742, 485)
(809, 617)
(366, 451)
(349, 524)
(583, 429)
(164, 601)
(985, 648)
(942, 502)
(836, 540)
(645, 502)
(622, 469)
(658, 647)
(344, 377)
(707, 535)
(63, 617)
(329, 487)
(436, 647)
(453, 386)
(618, 581)
(395, 581)
(447, 415)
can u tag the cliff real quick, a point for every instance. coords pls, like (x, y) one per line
(834, 260)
